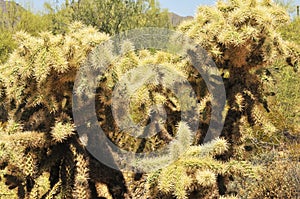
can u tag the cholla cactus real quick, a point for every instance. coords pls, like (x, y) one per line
(37, 84)
(150, 97)
(189, 168)
(37, 90)
(61, 132)
(242, 37)
(46, 65)
(38, 134)
(81, 186)
(239, 33)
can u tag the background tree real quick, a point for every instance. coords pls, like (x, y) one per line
(58, 17)
(115, 16)
(287, 81)
(291, 31)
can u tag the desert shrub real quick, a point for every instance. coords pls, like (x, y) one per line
(6, 45)
(287, 96)
(280, 177)
(291, 31)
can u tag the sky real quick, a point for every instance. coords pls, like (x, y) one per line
(180, 7)
(184, 7)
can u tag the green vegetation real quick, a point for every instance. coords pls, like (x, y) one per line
(111, 17)
(14, 18)
(254, 45)
(115, 16)
(290, 32)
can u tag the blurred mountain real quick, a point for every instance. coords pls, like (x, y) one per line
(6, 5)
(10, 13)
(176, 19)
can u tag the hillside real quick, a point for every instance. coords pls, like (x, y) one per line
(176, 19)
(4, 5)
